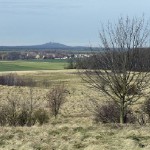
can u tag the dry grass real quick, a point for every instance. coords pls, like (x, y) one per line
(73, 134)
(74, 128)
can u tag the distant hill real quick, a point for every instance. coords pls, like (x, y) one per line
(46, 46)
(50, 45)
(53, 45)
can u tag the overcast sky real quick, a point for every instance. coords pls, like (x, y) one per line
(71, 22)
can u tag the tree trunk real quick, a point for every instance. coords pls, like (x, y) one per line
(122, 113)
(122, 121)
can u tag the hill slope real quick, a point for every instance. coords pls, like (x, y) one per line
(47, 46)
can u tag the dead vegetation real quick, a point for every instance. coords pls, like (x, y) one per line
(74, 127)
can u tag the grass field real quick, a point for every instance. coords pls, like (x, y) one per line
(74, 129)
(27, 65)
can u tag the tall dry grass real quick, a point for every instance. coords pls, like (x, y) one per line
(74, 128)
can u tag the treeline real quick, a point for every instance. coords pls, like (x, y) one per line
(139, 59)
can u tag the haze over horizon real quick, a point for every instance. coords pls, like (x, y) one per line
(70, 22)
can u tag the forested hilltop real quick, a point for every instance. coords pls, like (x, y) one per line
(46, 46)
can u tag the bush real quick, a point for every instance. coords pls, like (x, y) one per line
(9, 116)
(141, 117)
(41, 116)
(56, 98)
(145, 115)
(107, 113)
(19, 110)
(31, 120)
(11, 110)
(110, 113)
(15, 80)
(3, 120)
(23, 117)
(29, 82)
(11, 79)
(146, 107)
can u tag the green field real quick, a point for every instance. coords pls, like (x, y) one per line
(30, 65)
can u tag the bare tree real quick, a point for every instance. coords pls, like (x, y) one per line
(121, 70)
(56, 98)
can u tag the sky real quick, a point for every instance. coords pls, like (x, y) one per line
(70, 22)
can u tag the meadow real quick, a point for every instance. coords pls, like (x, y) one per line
(74, 128)
(28, 65)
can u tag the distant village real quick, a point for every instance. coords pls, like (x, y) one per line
(39, 55)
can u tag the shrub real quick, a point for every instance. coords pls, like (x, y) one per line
(146, 107)
(11, 110)
(31, 120)
(41, 116)
(26, 118)
(144, 114)
(29, 82)
(56, 98)
(11, 79)
(141, 117)
(45, 83)
(110, 113)
(11, 116)
(107, 113)
(20, 110)
(15, 80)
(23, 117)
(3, 119)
